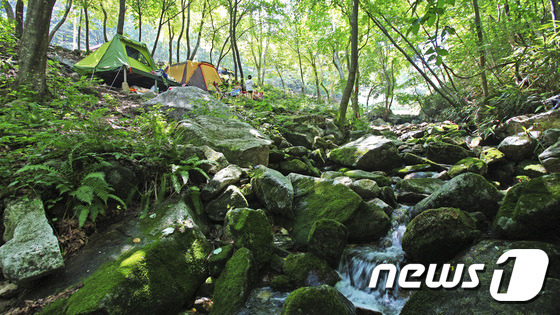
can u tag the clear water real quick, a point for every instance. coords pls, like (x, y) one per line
(358, 263)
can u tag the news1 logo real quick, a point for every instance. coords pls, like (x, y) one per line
(526, 281)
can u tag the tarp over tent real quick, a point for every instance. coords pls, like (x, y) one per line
(200, 74)
(111, 59)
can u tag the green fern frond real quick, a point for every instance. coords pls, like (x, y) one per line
(82, 211)
(84, 194)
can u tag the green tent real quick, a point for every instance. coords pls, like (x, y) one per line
(111, 56)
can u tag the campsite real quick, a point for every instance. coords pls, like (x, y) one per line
(279, 157)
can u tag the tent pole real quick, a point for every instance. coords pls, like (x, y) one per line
(125, 87)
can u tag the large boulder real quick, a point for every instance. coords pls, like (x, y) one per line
(468, 165)
(530, 209)
(234, 285)
(437, 235)
(306, 269)
(479, 300)
(189, 100)
(469, 192)
(420, 185)
(216, 161)
(159, 276)
(31, 250)
(302, 134)
(238, 141)
(231, 198)
(446, 153)
(327, 241)
(316, 198)
(317, 300)
(367, 153)
(274, 190)
(543, 121)
(518, 147)
(250, 228)
(228, 176)
(550, 158)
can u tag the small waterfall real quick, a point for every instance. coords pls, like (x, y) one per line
(358, 263)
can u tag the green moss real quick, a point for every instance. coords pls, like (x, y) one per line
(295, 166)
(492, 155)
(412, 168)
(437, 235)
(378, 178)
(530, 209)
(420, 185)
(159, 277)
(251, 229)
(327, 240)
(317, 301)
(280, 282)
(218, 259)
(307, 270)
(234, 285)
(55, 308)
(468, 165)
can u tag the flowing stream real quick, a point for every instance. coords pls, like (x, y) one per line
(358, 263)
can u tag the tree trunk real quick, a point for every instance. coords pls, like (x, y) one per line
(171, 35)
(34, 44)
(188, 36)
(300, 66)
(353, 66)
(19, 19)
(9, 10)
(183, 7)
(336, 62)
(480, 44)
(139, 25)
(281, 79)
(199, 36)
(163, 7)
(355, 104)
(61, 22)
(104, 23)
(80, 31)
(87, 28)
(555, 12)
(317, 84)
(122, 11)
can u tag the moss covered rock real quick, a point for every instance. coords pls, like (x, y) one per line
(437, 235)
(531, 169)
(468, 165)
(367, 153)
(379, 177)
(218, 259)
(250, 228)
(274, 190)
(420, 185)
(530, 209)
(228, 176)
(307, 270)
(479, 300)
(295, 166)
(413, 159)
(316, 198)
(446, 153)
(550, 158)
(468, 192)
(327, 240)
(231, 198)
(366, 188)
(317, 300)
(518, 147)
(160, 277)
(492, 155)
(234, 285)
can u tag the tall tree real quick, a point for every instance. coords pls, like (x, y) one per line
(122, 12)
(341, 119)
(34, 44)
(62, 20)
(9, 10)
(480, 43)
(19, 18)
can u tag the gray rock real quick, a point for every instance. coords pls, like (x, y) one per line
(231, 198)
(297, 151)
(274, 190)
(367, 153)
(550, 158)
(238, 141)
(205, 152)
(228, 176)
(189, 100)
(383, 205)
(344, 180)
(303, 135)
(379, 177)
(469, 192)
(515, 125)
(549, 137)
(366, 188)
(31, 250)
(420, 185)
(518, 147)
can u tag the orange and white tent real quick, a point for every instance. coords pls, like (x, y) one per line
(200, 74)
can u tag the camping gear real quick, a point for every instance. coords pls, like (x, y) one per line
(123, 60)
(200, 74)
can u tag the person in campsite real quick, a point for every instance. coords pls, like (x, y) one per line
(249, 87)
(236, 91)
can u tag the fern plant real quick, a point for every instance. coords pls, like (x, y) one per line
(87, 197)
